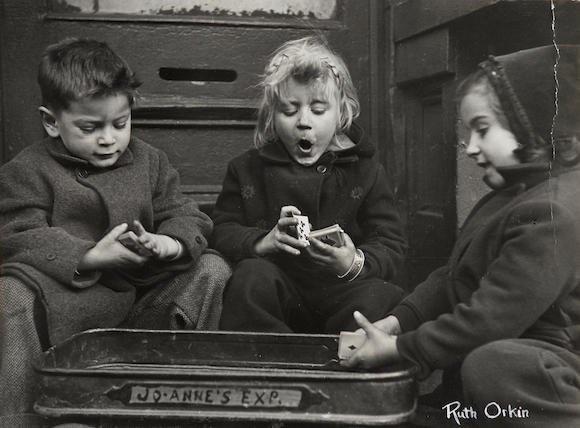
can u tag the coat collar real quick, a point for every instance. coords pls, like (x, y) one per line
(526, 175)
(275, 152)
(59, 152)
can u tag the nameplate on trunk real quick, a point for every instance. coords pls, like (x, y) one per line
(250, 397)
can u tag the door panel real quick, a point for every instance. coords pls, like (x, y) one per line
(430, 182)
(199, 61)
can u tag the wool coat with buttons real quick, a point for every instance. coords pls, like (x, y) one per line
(54, 207)
(514, 271)
(349, 188)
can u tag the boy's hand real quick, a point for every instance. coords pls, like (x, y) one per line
(161, 247)
(379, 349)
(109, 253)
(338, 259)
(278, 240)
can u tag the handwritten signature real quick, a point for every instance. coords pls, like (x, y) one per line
(456, 411)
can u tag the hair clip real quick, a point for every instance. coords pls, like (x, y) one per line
(331, 66)
(275, 65)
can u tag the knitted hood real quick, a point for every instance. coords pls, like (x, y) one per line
(539, 91)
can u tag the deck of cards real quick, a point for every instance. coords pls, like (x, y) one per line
(350, 342)
(331, 235)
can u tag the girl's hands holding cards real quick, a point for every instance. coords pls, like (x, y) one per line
(389, 325)
(378, 350)
(278, 240)
(337, 259)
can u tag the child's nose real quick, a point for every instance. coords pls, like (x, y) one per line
(471, 148)
(304, 120)
(107, 137)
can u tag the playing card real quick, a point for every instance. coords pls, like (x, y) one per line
(129, 240)
(349, 342)
(302, 228)
(331, 235)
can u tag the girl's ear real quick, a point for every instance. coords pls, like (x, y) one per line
(49, 121)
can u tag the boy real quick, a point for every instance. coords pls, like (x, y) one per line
(66, 204)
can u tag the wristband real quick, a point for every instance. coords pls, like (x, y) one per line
(349, 269)
(355, 268)
(179, 249)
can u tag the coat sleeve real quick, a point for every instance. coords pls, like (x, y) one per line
(535, 267)
(383, 243)
(26, 233)
(232, 236)
(175, 214)
(427, 301)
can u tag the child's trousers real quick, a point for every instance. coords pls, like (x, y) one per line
(523, 383)
(20, 345)
(262, 297)
(191, 300)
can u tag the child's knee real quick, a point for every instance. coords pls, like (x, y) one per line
(395, 293)
(256, 268)
(214, 265)
(15, 297)
(253, 278)
(486, 370)
(480, 366)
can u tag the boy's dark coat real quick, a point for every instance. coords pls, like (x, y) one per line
(54, 207)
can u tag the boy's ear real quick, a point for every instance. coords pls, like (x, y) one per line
(49, 121)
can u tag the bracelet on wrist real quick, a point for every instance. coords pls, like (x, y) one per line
(349, 268)
(355, 268)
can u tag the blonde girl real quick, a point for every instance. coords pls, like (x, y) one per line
(310, 158)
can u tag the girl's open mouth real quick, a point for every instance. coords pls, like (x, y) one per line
(305, 146)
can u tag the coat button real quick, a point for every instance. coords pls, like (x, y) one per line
(321, 169)
(50, 256)
(198, 239)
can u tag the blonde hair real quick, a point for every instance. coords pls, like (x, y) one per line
(307, 60)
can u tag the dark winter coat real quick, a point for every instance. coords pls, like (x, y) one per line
(348, 187)
(514, 272)
(515, 269)
(54, 207)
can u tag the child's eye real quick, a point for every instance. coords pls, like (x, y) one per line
(289, 112)
(318, 108)
(120, 125)
(87, 129)
(481, 132)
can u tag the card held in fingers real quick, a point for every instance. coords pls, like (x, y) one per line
(130, 240)
(350, 342)
(302, 228)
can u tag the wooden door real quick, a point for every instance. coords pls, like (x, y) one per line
(434, 44)
(199, 61)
